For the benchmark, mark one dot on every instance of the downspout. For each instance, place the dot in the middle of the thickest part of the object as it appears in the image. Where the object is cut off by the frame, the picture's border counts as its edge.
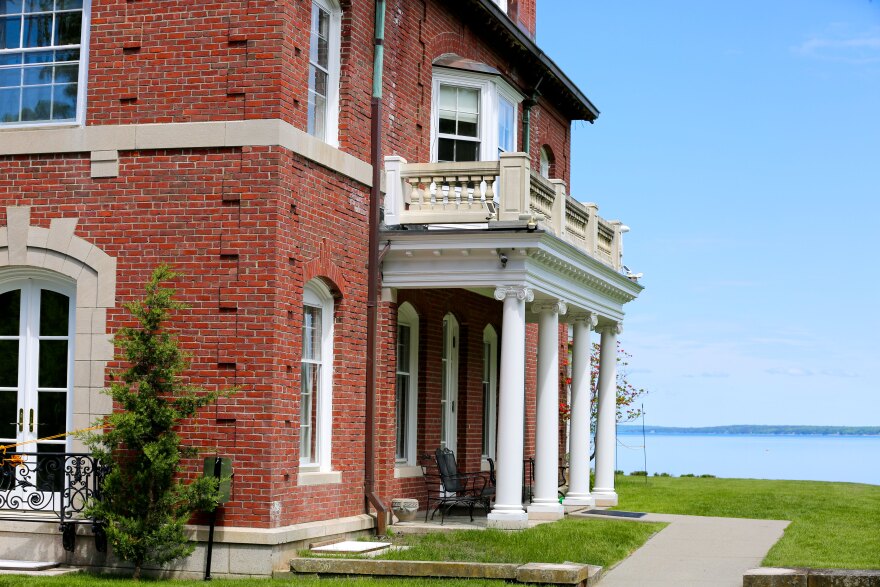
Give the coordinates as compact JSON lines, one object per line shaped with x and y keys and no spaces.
{"x":371,"y":498}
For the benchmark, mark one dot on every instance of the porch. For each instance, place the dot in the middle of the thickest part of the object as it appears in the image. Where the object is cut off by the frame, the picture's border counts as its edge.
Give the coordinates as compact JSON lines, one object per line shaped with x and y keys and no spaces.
{"x":550,"y":269}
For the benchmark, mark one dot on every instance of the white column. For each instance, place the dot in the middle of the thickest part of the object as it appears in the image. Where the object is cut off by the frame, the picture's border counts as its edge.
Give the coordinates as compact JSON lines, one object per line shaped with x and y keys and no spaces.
{"x":508,"y":512}
{"x":579,"y":439}
{"x":545,"y":503}
{"x":606,"y":432}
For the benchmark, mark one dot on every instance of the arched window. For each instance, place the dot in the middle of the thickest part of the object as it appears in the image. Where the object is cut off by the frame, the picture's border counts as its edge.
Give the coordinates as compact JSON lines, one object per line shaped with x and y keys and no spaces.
{"x":37,"y":328}
{"x":490,"y":390}
{"x":449,"y":384}
{"x":547,"y":162}
{"x":406,"y":393}
{"x":316,"y":374}
{"x":324,"y":66}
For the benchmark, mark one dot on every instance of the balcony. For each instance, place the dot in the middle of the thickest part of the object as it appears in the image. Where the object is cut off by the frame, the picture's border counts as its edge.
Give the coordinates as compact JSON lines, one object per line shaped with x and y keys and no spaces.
{"x":497,"y":194}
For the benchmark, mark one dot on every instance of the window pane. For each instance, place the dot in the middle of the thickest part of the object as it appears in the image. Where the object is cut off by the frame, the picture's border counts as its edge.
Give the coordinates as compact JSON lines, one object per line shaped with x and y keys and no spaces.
{"x":8,"y":363}
{"x":311,"y":383}
{"x":10,"y":33}
{"x":466,"y":150}
{"x":54,"y":313}
{"x":8,"y":58}
{"x":447,"y":122}
{"x":10,"y":6}
{"x":66,"y":74}
{"x":445,"y":150}
{"x":505,"y":125}
{"x":53,"y":364}
{"x":318,"y":81}
{"x":68,"y":28}
{"x":447,"y":98}
{"x":38,"y":30}
{"x":40,"y":57}
{"x":10,"y":100}
{"x":319,"y":49}
{"x":40,"y":75}
{"x":38,"y":5}
{"x":467,"y":125}
{"x":36,"y":103}
{"x":10,"y":313}
{"x":312,"y":333}
{"x":68,"y":4}
{"x":402,"y":409}
{"x":8,"y":412}
{"x":51,"y":413}
{"x":468,"y":101}
{"x":317,"y":115}
{"x":64,"y":101}
{"x":403,"y":348}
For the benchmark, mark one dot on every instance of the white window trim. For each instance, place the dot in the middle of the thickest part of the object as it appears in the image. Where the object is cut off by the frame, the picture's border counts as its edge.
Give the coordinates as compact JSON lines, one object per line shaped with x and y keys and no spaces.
{"x":452,"y":345}
{"x":30,"y":282}
{"x":334,"y":64}
{"x":407,"y":316}
{"x":317,"y":294}
{"x":82,"y":82}
{"x":490,"y":337}
{"x":490,"y":87}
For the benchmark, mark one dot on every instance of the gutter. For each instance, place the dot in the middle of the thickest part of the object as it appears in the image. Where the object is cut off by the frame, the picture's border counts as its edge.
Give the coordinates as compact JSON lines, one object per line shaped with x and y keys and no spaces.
{"x":370,"y":495}
{"x":590,"y":111}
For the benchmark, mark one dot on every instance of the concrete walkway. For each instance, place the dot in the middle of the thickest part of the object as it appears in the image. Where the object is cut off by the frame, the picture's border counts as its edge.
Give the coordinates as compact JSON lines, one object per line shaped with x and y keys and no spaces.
{"x":696,"y":551}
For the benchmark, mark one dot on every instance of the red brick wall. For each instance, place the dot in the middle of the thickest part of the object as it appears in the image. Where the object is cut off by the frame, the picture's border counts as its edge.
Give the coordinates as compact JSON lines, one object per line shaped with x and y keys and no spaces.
{"x":248,"y":227}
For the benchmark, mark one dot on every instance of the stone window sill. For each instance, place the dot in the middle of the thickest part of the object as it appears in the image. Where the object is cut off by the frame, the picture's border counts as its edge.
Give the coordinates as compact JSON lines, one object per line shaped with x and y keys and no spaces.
{"x":319,"y":478}
{"x":403,"y":471}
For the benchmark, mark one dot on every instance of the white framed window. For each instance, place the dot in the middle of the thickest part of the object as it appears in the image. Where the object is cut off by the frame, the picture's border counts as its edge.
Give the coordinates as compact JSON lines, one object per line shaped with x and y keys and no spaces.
{"x":316,"y":378}
{"x":43,"y":61}
{"x":473,"y":116}
{"x":37,"y":325}
{"x":490,"y":390}
{"x":324,"y":42}
{"x":449,"y":384}
{"x":406,"y":393}
{"x":546,"y":159}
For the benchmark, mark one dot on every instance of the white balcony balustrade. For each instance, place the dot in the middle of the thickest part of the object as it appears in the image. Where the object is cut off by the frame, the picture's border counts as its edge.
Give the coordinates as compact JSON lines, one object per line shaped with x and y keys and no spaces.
{"x":504,"y":192}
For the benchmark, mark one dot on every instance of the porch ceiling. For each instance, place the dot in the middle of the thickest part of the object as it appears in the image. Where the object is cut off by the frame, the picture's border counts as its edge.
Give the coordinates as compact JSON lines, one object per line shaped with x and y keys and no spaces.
{"x":472,"y":259}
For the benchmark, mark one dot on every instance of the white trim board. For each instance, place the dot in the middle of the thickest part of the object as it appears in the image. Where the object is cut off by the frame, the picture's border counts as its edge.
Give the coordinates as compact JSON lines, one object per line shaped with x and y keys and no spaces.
{"x":185,"y":135}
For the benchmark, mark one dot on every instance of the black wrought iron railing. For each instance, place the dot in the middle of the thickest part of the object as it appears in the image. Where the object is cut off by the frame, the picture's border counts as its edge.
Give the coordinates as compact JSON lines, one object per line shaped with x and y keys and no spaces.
{"x":47,"y":486}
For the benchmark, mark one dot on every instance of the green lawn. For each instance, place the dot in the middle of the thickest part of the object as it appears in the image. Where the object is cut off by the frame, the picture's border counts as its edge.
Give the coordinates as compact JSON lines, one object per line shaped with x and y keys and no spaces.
{"x":85,"y":580}
{"x":595,"y":542}
{"x":833,"y":525}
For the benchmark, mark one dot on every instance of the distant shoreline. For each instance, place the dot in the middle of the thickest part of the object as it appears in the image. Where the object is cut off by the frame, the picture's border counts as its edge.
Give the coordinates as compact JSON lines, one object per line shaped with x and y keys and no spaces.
{"x":750,"y":430}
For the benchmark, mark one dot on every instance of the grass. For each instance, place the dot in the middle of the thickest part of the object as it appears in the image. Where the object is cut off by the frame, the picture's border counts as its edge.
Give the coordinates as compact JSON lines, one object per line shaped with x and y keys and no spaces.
{"x":86,"y":580}
{"x":595,"y":542}
{"x":833,"y":525}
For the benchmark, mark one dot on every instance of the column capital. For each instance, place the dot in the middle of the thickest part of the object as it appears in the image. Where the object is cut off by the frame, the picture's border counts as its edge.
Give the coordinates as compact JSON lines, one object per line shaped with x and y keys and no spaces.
{"x":590,"y":319}
{"x":615,"y":328}
{"x":557,"y":306}
{"x":520,"y":292}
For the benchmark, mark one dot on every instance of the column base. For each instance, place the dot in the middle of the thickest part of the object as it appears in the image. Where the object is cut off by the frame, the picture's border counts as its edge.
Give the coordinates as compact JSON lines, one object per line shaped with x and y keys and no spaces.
{"x":509,"y":520}
{"x":546,"y":511}
{"x":579,"y":500}
{"x":605,"y":498}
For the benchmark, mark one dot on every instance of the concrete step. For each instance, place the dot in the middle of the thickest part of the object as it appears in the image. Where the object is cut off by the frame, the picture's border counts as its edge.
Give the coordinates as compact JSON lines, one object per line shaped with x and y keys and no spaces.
{"x":13,"y":565}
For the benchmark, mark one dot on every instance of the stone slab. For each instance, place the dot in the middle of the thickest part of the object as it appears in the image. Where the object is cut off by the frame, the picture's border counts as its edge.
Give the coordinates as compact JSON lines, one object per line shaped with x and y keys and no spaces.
{"x":776,"y":577}
{"x":347,"y":566}
{"x":556,"y":574}
{"x":14,"y":565}
{"x":352,"y":546}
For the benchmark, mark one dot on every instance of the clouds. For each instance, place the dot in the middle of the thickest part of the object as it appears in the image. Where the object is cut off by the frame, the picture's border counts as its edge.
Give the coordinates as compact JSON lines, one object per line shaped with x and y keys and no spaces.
{"x":860,"y":48}
{"x":801,"y":372}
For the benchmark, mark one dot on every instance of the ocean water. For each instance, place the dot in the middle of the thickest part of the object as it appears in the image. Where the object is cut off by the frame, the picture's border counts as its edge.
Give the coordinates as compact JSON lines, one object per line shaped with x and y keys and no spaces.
{"x":816,"y":458}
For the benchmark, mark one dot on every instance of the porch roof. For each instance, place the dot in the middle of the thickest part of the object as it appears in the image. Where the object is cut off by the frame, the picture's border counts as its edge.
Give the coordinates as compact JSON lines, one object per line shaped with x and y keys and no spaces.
{"x":473,"y":259}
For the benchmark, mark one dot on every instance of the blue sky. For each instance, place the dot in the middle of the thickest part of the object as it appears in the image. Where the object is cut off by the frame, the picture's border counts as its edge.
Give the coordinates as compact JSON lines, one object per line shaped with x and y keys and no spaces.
{"x":741,"y":143}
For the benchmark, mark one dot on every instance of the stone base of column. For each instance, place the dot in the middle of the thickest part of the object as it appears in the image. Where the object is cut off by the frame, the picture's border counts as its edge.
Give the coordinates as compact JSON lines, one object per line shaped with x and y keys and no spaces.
{"x":546,"y":511}
{"x":579,"y":500}
{"x":605,"y":498}
{"x":508,"y":520}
